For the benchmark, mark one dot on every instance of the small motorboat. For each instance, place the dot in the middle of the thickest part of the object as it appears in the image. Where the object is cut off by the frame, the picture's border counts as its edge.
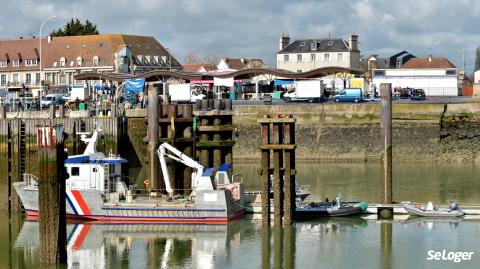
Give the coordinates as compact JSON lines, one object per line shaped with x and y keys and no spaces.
{"x":432,"y":211}
{"x":329,"y":209}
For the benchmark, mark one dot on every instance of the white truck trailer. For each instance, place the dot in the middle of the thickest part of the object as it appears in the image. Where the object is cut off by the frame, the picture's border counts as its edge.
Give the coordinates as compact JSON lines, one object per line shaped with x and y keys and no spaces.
{"x":78,"y":92}
{"x":306,"y":91}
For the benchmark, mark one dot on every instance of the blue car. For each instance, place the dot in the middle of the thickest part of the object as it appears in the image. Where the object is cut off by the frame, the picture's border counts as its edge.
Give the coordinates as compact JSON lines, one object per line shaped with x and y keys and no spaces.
{"x":349,"y":95}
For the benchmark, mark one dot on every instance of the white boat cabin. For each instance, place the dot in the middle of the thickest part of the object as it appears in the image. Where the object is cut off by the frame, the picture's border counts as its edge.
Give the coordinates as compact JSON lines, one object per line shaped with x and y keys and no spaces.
{"x":94,"y":171}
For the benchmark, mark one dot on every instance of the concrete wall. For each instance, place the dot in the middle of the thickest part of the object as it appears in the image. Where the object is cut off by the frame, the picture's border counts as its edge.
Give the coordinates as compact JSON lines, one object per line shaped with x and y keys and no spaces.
{"x":350,"y":132}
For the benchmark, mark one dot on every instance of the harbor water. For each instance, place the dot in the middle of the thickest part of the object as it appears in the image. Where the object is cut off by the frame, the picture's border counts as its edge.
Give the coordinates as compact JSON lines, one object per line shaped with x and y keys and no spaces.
{"x":352,"y":242}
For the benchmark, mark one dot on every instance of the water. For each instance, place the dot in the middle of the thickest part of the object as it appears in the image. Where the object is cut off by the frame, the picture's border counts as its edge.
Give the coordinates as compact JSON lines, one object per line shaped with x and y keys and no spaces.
{"x":326,"y":243}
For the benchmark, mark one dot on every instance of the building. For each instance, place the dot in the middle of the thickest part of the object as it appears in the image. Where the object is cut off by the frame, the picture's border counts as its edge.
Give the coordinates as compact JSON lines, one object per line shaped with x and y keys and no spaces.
{"x":239,"y":63}
{"x":437,"y":76}
{"x":63,"y":57}
{"x":307,"y":54}
{"x":199,"y":68}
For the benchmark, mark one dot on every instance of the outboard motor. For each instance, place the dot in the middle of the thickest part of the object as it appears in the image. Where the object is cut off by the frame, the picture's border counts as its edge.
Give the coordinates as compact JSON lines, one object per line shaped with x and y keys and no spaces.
{"x":454,"y":206}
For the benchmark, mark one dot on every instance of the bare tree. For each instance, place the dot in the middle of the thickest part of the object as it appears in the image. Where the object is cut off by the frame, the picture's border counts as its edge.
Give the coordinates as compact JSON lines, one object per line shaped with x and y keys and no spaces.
{"x":211,"y":58}
{"x":192,"y":58}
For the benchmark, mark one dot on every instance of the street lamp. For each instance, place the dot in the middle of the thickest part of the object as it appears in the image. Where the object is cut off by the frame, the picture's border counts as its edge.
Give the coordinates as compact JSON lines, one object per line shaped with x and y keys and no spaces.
{"x":40,"y":57}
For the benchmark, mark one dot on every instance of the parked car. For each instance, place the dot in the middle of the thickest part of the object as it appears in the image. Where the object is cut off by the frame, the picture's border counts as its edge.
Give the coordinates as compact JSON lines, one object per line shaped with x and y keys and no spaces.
{"x":349,"y":95}
{"x":417,"y":94}
{"x":52,"y":99}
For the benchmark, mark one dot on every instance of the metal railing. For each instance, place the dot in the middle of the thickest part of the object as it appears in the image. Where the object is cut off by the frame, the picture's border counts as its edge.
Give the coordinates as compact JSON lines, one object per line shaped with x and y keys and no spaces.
{"x":30,"y":179}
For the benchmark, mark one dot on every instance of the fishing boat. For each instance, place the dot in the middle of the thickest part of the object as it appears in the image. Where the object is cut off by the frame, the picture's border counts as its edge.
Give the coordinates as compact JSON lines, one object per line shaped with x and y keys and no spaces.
{"x":453,"y":211}
{"x":329,"y":209}
{"x":96,"y":190}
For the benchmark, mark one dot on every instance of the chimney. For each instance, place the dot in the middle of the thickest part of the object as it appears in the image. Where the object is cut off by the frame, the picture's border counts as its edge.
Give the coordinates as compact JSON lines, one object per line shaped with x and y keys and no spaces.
{"x":430,"y":58}
{"x":284,"y":41}
{"x":353,"y":42}
{"x":21,"y":37}
{"x":49,"y":39}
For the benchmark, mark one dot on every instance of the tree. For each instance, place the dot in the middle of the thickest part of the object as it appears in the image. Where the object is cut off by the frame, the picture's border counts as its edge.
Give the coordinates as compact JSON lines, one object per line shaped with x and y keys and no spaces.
{"x":209,"y":58}
{"x":76,"y":27}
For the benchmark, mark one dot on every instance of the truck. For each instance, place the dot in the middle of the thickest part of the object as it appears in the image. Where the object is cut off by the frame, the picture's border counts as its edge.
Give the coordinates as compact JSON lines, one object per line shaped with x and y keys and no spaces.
{"x":306,"y":91}
{"x":183,"y":93}
{"x":78,"y":92}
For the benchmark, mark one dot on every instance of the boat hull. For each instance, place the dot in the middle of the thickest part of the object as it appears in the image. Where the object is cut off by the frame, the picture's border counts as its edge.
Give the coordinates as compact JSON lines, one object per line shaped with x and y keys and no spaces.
{"x":413,"y":210}
{"x":211,"y":207}
{"x":316,"y":212}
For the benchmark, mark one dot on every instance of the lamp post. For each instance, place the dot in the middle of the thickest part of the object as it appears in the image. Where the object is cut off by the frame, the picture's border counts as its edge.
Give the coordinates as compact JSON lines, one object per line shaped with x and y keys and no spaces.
{"x":40,"y":58}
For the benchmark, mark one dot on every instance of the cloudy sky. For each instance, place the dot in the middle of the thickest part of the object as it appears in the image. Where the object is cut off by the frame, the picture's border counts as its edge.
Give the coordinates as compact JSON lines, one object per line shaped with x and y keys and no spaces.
{"x":251,"y":28}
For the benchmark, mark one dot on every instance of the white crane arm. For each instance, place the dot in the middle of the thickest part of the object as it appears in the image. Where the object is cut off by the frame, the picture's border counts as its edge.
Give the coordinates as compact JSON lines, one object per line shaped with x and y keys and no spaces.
{"x":179,"y":157}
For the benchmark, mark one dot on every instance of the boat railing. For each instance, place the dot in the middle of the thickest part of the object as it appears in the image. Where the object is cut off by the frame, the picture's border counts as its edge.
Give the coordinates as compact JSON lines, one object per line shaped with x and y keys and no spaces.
{"x":30,"y":179}
{"x":180,"y":196}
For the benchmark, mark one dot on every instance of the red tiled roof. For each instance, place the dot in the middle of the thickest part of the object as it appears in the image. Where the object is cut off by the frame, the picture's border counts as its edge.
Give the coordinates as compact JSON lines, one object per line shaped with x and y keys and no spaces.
{"x":197,"y":67}
{"x":428,"y":63}
{"x":19,"y":49}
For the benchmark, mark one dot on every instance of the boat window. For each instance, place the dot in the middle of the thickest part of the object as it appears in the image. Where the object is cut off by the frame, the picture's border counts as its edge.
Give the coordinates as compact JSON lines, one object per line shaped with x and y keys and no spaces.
{"x":75,"y":171}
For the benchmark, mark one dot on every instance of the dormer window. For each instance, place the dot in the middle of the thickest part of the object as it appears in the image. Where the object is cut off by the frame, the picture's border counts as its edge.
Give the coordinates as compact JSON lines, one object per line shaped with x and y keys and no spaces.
{"x":31,"y":62}
{"x":3,"y":63}
{"x":313,"y":46}
{"x":302,"y":44}
{"x":95,"y":60}
{"x":16,"y":63}
{"x":62,"y":62}
{"x":79,"y":61}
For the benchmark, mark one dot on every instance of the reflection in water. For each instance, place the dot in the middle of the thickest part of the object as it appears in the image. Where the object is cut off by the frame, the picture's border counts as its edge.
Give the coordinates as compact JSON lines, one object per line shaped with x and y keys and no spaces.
{"x":325,"y":243}
{"x":386,"y":244}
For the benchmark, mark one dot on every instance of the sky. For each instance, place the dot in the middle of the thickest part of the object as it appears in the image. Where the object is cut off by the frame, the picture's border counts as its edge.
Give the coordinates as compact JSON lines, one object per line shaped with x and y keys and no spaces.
{"x":251,"y":28}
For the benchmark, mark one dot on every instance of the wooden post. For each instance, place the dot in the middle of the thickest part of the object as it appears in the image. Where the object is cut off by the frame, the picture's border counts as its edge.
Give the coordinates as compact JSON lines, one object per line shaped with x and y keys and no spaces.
{"x":188,"y":150}
{"x":289,"y":177}
{"x":153,"y":135}
{"x":290,"y":245}
{"x":217,"y":137}
{"x":265,"y":175}
{"x":204,"y":152}
{"x":51,"y":196}
{"x":386,"y":146}
{"x":277,"y":245}
{"x":9,"y":164}
{"x":266,"y":247}
{"x":277,"y":175}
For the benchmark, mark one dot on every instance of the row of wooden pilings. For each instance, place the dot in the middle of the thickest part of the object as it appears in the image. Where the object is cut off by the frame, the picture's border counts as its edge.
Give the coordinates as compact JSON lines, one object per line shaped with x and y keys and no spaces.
{"x":203,"y":131}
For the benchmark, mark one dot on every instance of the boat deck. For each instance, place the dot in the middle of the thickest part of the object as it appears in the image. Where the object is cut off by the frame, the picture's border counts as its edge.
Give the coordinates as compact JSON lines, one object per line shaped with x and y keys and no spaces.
{"x":152,"y":202}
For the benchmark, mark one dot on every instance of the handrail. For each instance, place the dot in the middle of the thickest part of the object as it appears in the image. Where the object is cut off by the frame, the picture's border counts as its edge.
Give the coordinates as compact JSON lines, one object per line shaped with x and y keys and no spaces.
{"x":30,"y":179}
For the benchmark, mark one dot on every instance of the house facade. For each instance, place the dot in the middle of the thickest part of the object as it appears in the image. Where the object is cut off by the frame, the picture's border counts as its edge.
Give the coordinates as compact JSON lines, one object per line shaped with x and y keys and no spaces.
{"x":239,"y":63}
{"x":308,"y":54}
{"x":63,"y":57}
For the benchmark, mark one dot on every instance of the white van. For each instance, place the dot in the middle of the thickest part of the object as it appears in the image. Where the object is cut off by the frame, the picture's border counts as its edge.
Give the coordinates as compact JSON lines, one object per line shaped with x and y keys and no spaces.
{"x":52,"y":99}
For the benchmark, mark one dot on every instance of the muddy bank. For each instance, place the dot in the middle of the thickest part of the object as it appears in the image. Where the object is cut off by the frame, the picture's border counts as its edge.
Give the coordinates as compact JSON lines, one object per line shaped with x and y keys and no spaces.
{"x":350,"y":132}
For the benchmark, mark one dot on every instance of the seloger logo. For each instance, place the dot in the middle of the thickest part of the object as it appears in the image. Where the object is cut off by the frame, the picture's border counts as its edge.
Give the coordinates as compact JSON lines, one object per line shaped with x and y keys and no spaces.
{"x":456,"y":257}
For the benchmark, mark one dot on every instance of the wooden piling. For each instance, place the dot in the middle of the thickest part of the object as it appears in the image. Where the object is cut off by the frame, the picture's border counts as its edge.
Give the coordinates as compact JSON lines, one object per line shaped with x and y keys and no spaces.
{"x":266,"y":247}
{"x":277,"y":246}
{"x":153,"y":126}
{"x":386,"y":146}
{"x":277,"y":176}
{"x":282,"y":145}
{"x":188,"y":150}
{"x":204,"y":152}
{"x":51,"y":188}
{"x":265,"y":136}
{"x":9,"y":164}
{"x":289,"y":175}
